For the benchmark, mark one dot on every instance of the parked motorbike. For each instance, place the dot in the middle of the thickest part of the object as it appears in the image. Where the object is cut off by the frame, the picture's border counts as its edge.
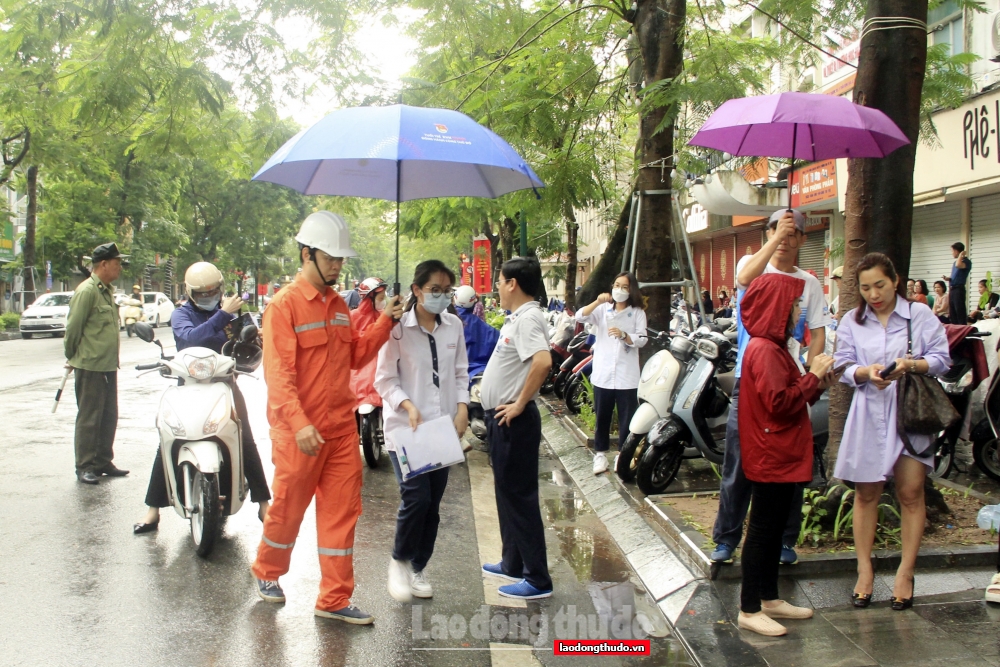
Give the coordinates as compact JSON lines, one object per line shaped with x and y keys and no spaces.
{"x":576,"y":388}
{"x":131,"y":314}
{"x":477,"y":417}
{"x":985,"y":448}
{"x":958,"y":385}
{"x":200,"y":435}
{"x":579,"y":349}
{"x":372,"y":434}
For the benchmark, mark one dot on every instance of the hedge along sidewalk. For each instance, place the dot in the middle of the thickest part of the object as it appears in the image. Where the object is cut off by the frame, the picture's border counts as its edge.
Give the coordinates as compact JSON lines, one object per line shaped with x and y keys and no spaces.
{"x":664,"y":572}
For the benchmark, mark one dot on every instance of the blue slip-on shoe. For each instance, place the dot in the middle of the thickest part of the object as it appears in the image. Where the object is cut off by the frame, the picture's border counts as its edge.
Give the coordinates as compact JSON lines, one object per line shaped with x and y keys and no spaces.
{"x":788,"y":555}
{"x":496,"y":569}
{"x":270,"y":591}
{"x":723,"y":553}
{"x":349,"y":614}
{"x":524,"y":591}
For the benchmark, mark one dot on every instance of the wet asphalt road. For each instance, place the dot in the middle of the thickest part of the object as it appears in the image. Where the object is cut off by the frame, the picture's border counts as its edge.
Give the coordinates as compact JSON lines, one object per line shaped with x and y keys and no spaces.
{"x":79,"y":588}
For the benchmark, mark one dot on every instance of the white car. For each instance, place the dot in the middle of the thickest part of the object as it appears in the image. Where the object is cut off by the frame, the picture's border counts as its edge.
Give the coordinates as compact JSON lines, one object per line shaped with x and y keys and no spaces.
{"x":156,"y":308}
{"x":46,"y":315}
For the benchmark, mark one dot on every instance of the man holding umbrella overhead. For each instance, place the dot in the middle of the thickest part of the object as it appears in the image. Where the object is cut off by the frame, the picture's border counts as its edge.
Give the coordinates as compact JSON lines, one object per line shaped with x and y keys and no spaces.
{"x":308,"y":344}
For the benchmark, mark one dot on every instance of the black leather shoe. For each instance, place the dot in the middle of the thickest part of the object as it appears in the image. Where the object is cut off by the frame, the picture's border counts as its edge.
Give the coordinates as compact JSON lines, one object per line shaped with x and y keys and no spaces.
{"x":87,"y":477}
{"x":111,"y":471}
{"x":861,"y":601}
{"x":902,"y":604}
{"x":140,"y":528}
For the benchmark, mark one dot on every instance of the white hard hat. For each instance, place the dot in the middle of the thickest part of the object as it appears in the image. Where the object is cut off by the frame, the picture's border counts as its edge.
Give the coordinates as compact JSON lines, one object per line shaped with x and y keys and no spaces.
{"x":465,"y":296}
{"x":203,"y":277}
{"x":326,"y":231}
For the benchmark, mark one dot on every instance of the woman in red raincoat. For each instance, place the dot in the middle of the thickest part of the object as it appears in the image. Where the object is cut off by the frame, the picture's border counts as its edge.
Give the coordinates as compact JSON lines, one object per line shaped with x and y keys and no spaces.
{"x":372,"y":293}
{"x":775,"y":441}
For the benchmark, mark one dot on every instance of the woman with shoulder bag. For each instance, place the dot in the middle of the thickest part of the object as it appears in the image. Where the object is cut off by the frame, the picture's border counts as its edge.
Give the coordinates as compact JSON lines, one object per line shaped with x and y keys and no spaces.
{"x":883,"y":339}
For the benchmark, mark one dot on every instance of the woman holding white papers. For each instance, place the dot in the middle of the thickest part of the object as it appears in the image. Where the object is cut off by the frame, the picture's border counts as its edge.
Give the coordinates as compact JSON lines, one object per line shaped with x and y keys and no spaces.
{"x":422,"y":375}
{"x":621,"y":331}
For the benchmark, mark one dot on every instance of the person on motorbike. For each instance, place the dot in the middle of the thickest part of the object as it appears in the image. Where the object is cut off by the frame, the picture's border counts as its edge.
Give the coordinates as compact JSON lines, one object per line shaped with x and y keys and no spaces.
{"x":372,"y":293}
{"x":480,"y":337}
{"x":201,"y":322}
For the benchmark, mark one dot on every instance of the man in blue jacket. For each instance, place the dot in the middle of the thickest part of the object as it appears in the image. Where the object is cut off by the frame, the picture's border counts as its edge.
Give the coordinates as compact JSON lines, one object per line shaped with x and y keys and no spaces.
{"x":201,"y":322}
{"x":480,"y":337}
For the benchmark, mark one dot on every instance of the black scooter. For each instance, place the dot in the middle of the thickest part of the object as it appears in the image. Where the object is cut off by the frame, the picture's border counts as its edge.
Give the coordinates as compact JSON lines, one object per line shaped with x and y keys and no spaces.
{"x":985,"y":445}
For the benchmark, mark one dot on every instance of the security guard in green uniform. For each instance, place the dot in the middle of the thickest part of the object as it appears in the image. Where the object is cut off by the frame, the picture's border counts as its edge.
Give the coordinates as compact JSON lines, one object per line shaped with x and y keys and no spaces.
{"x":91,"y":345}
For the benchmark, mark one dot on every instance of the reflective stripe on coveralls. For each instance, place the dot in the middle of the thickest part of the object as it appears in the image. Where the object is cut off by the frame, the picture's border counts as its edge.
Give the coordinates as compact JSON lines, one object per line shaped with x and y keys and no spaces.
{"x":276,"y":545}
{"x":335,"y":552}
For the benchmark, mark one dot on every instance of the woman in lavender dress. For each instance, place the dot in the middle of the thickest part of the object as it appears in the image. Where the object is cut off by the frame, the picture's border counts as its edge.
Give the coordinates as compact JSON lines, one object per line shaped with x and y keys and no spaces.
{"x":869,"y":339}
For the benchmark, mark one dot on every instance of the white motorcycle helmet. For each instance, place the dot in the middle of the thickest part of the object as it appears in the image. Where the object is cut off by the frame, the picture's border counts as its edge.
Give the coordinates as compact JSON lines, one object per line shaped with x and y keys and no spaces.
{"x":465,"y":296}
{"x":203,"y":277}
{"x":369,"y":285}
{"x":328,"y":232}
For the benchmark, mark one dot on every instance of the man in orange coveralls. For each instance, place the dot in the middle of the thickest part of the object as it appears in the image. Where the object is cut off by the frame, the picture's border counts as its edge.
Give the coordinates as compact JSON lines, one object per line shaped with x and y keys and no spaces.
{"x":309,"y":349}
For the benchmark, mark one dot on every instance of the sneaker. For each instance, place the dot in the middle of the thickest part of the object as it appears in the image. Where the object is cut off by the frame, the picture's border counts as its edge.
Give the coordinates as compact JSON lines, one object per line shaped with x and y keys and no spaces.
{"x":524,"y":591}
{"x":723,"y":553}
{"x":993,"y":590}
{"x":400,"y":581}
{"x":788,"y":555}
{"x":420,"y":587}
{"x":761,"y":623}
{"x":349,"y":614}
{"x":600,"y":463}
{"x":270,"y":591}
{"x":784,"y":610}
{"x":496,"y":569}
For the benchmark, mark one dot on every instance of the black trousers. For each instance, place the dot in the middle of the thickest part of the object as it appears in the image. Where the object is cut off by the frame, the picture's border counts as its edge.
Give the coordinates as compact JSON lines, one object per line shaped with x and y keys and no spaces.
{"x":96,"y":418}
{"x":605,"y":401}
{"x":514,"y":456}
{"x":769,"y":509}
{"x":419,"y":514}
{"x":958,"y":305}
{"x":253,"y":469}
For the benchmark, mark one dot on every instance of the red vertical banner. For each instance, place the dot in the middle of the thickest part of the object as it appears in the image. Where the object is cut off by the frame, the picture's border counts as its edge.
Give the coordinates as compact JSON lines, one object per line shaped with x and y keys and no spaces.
{"x":482,"y":269}
{"x":465,"y":270}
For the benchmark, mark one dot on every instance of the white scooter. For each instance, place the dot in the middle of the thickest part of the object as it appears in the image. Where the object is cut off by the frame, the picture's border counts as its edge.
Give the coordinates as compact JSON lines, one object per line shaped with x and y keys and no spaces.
{"x":200,"y":435}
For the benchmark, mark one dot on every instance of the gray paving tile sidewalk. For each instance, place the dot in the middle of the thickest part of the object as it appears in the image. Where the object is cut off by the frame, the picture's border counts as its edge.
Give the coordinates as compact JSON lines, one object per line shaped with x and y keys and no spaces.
{"x":950,"y":622}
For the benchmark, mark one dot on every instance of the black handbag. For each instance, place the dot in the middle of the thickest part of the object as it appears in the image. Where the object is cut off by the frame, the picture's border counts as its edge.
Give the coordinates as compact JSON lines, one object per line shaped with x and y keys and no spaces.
{"x":923,"y":407}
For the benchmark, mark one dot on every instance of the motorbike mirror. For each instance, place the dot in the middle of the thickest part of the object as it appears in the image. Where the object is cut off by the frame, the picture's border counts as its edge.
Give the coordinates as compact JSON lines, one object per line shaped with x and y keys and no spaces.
{"x":248,"y":334}
{"x":144,"y":332}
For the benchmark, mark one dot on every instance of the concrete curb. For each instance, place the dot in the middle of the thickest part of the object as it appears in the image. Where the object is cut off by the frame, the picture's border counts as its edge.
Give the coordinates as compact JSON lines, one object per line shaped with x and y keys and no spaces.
{"x":10,"y":335}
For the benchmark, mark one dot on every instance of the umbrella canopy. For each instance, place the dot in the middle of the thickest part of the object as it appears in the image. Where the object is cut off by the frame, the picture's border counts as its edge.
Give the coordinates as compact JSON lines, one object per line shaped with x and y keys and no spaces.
{"x":398,"y":153}
{"x":802,"y":126}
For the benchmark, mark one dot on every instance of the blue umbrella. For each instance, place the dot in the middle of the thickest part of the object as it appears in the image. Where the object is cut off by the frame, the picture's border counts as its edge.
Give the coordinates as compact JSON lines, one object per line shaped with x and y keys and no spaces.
{"x":399,"y":153}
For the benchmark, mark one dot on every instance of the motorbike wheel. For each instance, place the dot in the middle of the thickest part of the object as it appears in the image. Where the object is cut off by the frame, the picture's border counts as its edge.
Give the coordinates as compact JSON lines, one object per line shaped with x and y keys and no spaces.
{"x":549,"y":385}
{"x":371,"y":438}
{"x":628,"y":456}
{"x":986,"y":453}
{"x":659,"y":466}
{"x":206,"y":519}
{"x":559,"y":384}
{"x":576,"y":395}
{"x":943,"y":459}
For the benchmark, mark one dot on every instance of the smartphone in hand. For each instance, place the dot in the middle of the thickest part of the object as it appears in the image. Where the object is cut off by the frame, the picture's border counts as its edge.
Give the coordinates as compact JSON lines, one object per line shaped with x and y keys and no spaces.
{"x":885,"y":372}
{"x":837,"y":372}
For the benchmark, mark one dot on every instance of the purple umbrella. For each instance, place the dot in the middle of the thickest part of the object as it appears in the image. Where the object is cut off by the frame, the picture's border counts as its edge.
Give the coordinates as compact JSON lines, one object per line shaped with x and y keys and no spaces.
{"x":804,"y":126}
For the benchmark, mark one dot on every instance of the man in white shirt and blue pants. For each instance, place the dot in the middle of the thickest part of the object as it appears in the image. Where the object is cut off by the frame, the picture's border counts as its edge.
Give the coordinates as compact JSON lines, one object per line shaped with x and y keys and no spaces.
{"x":516,"y":370}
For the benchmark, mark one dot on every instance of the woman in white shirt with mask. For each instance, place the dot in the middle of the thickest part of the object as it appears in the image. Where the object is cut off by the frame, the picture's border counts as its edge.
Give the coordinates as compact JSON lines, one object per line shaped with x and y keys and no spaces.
{"x":422,"y":374}
{"x":620,"y":331}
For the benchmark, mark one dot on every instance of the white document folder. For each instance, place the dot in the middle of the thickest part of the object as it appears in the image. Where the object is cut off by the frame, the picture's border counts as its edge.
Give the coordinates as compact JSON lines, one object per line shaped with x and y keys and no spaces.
{"x":434,"y":445}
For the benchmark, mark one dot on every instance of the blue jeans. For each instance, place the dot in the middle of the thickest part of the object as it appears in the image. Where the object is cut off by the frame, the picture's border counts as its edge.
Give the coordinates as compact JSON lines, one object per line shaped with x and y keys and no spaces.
{"x":418,"y":516}
{"x":736,"y":489}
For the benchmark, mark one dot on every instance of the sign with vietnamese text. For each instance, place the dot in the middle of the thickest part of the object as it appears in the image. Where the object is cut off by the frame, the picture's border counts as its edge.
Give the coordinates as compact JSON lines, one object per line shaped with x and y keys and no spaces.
{"x":695,"y":218}
{"x":814,"y":184}
{"x":482,"y":266}
{"x":6,"y":240}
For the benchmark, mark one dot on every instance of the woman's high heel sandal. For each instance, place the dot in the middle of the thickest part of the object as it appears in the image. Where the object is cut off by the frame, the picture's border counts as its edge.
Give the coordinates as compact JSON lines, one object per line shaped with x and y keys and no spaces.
{"x":902,"y":604}
{"x":861,"y":601}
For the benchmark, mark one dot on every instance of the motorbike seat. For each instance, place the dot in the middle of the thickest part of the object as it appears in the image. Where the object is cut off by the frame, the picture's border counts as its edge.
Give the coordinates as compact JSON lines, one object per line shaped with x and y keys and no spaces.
{"x":727,"y":381}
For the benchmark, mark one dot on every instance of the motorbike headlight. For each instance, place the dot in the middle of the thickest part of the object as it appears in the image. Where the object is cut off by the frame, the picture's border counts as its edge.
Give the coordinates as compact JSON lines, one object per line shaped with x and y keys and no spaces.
{"x":200,"y":368}
{"x":172,"y":421}
{"x":215,"y":417}
{"x":708,"y":349}
{"x":651,"y":368}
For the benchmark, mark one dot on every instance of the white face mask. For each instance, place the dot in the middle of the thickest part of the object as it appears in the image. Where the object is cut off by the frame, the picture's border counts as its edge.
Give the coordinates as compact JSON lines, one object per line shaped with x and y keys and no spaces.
{"x":620,"y":295}
{"x":380,"y":305}
{"x":436,"y":303}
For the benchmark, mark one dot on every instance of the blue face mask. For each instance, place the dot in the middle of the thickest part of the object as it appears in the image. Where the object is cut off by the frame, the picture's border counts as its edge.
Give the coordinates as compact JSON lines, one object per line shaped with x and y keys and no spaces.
{"x":436,"y":303}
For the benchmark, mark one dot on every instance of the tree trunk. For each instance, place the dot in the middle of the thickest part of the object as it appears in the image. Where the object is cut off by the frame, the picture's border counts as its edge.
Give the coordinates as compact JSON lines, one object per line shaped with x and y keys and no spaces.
{"x":610,"y":263}
{"x":879,"y":212}
{"x":29,"y":229}
{"x":659,"y":28}
{"x":571,"y":258}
